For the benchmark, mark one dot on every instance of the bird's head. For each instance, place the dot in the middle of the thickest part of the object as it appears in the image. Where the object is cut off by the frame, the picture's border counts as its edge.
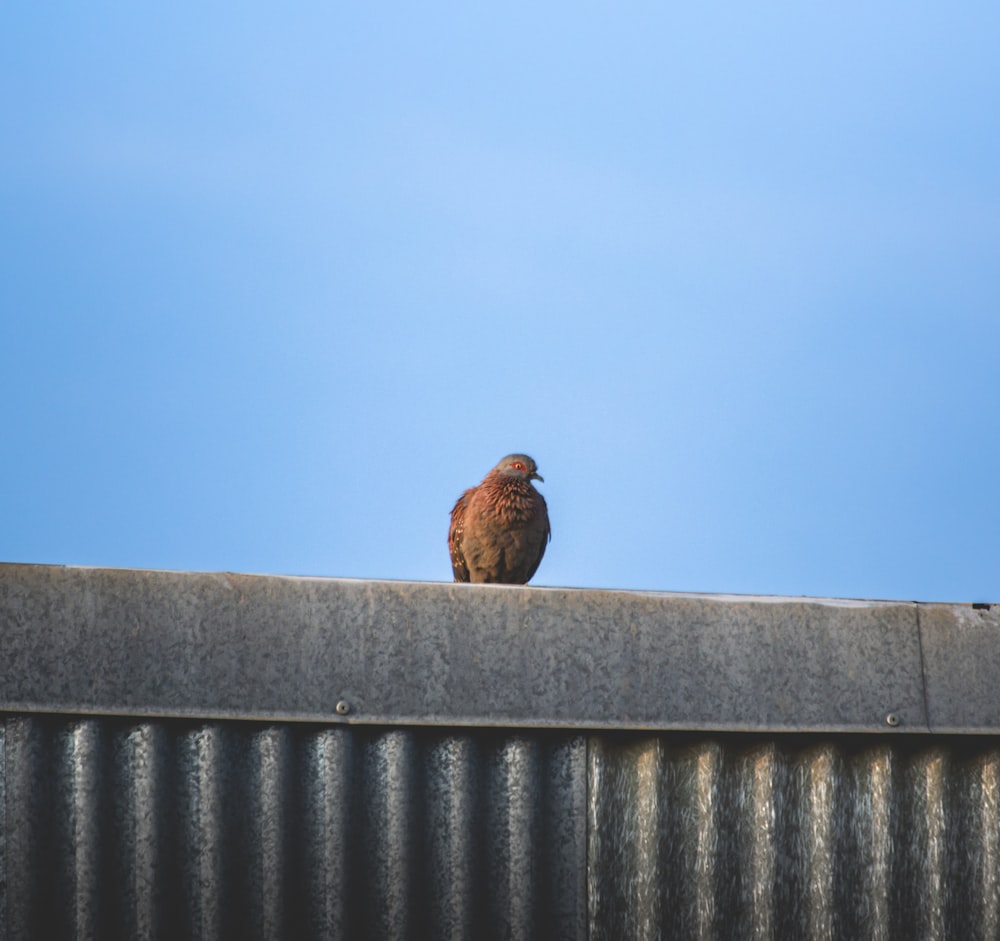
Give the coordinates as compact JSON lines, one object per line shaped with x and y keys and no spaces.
{"x":518,"y":465}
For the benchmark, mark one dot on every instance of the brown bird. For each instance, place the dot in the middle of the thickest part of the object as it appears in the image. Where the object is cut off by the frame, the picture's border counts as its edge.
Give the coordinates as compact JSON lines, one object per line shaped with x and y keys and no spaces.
{"x":499,"y":529}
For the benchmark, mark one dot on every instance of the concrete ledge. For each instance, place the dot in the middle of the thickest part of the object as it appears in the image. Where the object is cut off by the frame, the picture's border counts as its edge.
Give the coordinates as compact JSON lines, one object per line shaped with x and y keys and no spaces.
{"x":123,"y":642}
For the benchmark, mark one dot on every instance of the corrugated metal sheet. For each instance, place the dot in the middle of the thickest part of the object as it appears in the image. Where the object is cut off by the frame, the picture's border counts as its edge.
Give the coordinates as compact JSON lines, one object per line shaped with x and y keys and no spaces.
{"x":814,"y":839}
{"x":171,"y":829}
{"x":177,"y":829}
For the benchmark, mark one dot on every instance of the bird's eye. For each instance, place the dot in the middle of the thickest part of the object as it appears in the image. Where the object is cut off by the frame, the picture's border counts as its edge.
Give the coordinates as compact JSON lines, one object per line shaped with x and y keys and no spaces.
{"x":517,"y":465}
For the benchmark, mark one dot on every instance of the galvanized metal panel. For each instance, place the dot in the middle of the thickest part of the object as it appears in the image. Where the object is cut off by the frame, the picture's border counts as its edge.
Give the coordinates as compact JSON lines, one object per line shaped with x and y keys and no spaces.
{"x":171,"y":829}
{"x":161,"y":644}
{"x":776,"y":838}
{"x":961,"y":650}
{"x":117,"y":828}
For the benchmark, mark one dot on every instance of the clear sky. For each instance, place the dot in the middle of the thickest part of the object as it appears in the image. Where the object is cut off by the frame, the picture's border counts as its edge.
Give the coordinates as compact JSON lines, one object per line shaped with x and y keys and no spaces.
{"x":277,"y":282}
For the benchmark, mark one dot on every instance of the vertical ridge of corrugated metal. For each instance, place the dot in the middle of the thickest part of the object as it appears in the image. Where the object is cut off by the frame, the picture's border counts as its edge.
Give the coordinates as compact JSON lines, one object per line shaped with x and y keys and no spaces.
{"x":172,"y":829}
{"x":825,"y":840}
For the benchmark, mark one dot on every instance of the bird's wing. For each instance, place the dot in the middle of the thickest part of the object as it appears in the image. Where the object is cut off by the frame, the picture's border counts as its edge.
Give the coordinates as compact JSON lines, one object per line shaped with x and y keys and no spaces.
{"x":546,"y":538}
{"x":455,"y":533}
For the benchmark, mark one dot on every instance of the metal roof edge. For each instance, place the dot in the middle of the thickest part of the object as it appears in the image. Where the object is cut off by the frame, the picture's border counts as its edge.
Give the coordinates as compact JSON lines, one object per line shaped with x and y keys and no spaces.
{"x":309,"y":648}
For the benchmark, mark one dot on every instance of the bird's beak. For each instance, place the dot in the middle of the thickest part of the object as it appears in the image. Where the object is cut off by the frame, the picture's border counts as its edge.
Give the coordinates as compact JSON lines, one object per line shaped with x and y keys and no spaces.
{"x":536,"y":476}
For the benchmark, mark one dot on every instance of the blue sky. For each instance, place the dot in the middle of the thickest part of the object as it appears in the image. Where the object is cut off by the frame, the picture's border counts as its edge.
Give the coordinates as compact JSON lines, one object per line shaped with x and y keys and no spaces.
{"x":276,"y":285}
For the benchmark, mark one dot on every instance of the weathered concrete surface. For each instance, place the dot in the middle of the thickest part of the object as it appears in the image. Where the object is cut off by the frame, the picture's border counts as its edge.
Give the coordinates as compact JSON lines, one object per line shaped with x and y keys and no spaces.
{"x":111,"y":641}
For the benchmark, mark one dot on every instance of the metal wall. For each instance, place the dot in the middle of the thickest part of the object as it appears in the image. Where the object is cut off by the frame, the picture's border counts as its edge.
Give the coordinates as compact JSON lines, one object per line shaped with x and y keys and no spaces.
{"x":197,"y":755}
{"x":117,"y":828}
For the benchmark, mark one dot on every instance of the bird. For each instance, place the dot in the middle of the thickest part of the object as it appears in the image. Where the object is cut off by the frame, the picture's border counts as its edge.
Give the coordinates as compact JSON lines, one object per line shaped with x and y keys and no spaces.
{"x":499,"y":529}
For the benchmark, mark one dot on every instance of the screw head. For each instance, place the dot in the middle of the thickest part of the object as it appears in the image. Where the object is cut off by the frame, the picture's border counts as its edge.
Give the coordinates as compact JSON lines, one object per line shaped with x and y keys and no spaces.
{"x":892,"y":719}
{"x":343,"y":707}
